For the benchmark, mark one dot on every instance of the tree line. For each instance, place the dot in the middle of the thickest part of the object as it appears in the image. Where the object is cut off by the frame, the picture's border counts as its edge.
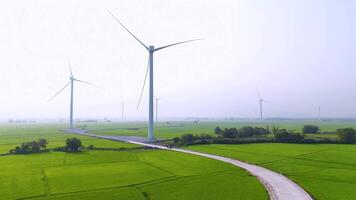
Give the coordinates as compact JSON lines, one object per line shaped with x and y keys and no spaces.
{"x":249,"y":134}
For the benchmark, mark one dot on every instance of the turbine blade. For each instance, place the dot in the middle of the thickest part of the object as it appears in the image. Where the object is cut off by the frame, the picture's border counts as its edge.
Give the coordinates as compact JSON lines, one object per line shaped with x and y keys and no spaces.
{"x":84,"y":82}
{"x":127,"y":30}
{"x":144,"y":83}
{"x":59,"y":91}
{"x":159,"y":48}
{"x":70,"y":69}
{"x":258,"y":93}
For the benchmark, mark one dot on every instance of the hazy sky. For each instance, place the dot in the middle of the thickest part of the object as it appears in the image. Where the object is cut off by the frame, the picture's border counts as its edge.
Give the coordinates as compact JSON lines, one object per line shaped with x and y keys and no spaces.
{"x":299,"y":53}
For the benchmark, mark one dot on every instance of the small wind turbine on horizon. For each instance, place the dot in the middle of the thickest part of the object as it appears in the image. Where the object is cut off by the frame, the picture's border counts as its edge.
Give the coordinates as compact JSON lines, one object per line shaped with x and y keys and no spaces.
{"x":319,"y":114}
{"x":71,"y":83}
{"x":261,"y":101}
{"x":151,"y":49}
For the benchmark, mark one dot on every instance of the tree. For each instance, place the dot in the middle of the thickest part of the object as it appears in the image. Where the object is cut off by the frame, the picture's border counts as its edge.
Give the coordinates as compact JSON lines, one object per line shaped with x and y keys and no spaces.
{"x":283,"y":135}
{"x":310,"y":129}
{"x":73,"y":145}
{"x":229,"y":133}
{"x":187,"y":139}
{"x":42,"y":142}
{"x":30,"y":147}
{"x":275,"y":129}
{"x":346,"y":135}
{"x":34,"y":147}
{"x":261,"y":131}
{"x":246,"y":131}
{"x":218,"y":131}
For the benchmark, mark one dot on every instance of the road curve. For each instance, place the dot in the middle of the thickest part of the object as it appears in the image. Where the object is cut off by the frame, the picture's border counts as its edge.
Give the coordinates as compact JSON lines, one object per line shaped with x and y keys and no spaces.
{"x":278,"y":186}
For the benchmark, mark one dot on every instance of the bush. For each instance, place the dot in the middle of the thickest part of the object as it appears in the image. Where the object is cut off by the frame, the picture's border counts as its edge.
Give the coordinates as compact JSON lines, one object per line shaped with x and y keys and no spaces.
{"x":310,"y":129}
{"x":346,"y":135}
{"x":73,"y":145}
{"x":188,"y":139}
{"x":283,"y":135}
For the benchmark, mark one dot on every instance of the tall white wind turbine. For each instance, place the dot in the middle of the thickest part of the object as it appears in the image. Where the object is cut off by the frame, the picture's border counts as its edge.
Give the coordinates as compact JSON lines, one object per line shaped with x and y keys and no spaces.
{"x":71,"y":82}
{"x":151,"y":49}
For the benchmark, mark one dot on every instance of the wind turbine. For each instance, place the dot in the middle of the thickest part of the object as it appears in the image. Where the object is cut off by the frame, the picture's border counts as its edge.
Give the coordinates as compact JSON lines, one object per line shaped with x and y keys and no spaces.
{"x":261,"y":106}
{"x":151,"y":49}
{"x":319,"y":116}
{"x":71,"y":82}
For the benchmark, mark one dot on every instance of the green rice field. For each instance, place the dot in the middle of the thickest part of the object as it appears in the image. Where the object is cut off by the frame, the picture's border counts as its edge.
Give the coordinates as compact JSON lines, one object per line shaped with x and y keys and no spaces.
{"x":325,"y":171}
{"x":112,"y":175}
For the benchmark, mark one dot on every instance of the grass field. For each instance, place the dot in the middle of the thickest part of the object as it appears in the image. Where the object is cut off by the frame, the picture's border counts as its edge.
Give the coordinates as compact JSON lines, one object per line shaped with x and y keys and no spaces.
{"x":325,"y":171}
{"x":131,"y":174}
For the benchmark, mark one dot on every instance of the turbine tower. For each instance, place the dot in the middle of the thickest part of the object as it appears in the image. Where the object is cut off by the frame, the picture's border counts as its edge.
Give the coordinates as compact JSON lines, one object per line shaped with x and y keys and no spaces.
{"x":150,"y":49}
{"x":122,"y":110}
{"x":261,"y":110}
{"x":71,"y":82}
{"x":157,"y":99}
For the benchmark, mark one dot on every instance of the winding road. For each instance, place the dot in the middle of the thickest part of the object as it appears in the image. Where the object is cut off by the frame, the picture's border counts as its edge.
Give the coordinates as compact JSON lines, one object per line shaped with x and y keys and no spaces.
{"x":278,"y":186}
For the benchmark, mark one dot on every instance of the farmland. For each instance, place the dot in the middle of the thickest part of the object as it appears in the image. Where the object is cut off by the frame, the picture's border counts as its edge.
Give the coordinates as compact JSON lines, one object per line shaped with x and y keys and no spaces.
{"x":129,"y":174}
{"x":325,"y":171}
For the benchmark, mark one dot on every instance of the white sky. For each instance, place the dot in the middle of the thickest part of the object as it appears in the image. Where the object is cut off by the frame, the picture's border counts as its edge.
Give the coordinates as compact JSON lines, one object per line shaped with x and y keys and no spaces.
{"x":299,"y":53}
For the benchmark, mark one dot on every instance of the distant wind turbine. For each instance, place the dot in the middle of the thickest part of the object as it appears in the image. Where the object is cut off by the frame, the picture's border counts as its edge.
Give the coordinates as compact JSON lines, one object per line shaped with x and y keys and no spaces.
{"x":261,"y":100}
{"x":151,"y":49}
{"x":71,"y":82}
{"x":319,"y":116}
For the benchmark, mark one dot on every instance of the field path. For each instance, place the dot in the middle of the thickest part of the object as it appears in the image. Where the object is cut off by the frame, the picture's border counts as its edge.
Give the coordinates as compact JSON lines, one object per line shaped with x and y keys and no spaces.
{"x":278,"y":186}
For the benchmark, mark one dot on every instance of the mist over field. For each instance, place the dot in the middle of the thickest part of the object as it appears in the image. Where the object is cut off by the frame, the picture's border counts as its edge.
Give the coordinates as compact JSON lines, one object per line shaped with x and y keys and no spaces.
{"x":299,"y":55}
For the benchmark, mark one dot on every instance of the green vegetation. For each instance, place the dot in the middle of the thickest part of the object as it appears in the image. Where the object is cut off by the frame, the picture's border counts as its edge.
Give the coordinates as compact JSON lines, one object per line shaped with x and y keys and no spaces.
{"x":165,"y":130}
{"x":115,"y":170}
{"x":283,"y":135}
{"x":310,"y":129}
{"x":30,"y":147}
{"x":73,"y":145}
{"x":326,"y":171}
{"x":108,"y":174}
{"x":346,"y":135}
